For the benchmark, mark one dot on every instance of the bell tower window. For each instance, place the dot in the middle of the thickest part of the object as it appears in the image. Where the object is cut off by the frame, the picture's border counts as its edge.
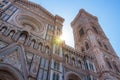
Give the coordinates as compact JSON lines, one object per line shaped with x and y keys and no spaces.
{"x":106,"y":47}
{"x":86,"y":45}
{"x":109,"y":64}
{"x":116,"y":68}
{"x":95,"y":29}
{"x":82,"y":49}
{"x":99,"y":43}
{"x":81,"y":32}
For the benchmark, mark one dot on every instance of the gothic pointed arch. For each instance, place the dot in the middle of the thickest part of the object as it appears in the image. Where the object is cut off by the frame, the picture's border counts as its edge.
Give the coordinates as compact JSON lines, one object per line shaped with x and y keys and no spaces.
{"x":72,"y":76}
{"x":99,"y":42}
{"x":116,"y":68}
{"x":3,"y":29}
{"x":5,"y":52}
{"x":11,"y":32}
{"x":81,"y":32}
{"x":23,"y":36}
{"x":82,"y":49}
{"x":108,"y":62}
{"x":86,"y":45}
{"x":33,"y":42}
{"x":40,"y":45}
{"x":95,"y":29}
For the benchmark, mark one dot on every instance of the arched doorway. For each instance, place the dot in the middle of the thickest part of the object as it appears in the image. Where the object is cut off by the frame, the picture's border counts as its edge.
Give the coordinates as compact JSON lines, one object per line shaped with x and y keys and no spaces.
{"x":7,"y":72}
{"x":5,"y":75}
{"x":72,"y":76}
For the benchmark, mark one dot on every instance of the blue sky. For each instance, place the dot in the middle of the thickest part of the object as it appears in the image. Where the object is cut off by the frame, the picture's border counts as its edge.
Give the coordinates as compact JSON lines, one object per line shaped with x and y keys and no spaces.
{"x":107,"y":11}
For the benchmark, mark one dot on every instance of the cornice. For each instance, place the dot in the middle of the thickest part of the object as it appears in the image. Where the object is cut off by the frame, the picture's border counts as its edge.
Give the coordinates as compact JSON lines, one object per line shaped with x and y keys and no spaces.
{"x":73,"y":50}
{"x":59,"y":18}
{"x":36,"y":6}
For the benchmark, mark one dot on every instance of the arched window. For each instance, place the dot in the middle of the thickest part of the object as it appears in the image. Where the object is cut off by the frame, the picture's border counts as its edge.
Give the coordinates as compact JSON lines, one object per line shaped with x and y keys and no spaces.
{"x":33,"y":43}
{"x":109,"y":65}
{"x":99,"y":43}
{"x":57,"y":49}
{"x":66,"y":58}
{"x":40,"y":46}
{"x":23,"y":37}
{"x":116,"y":67}
{"x":73,"y":61}
{"x":43,"y":48}
{"x":81,"y":32}
{"x":82,"y":49}
{"x":47,"y":50}
{"x":91,"y":66}
{"x":72,"y":76}
{"x":86,"y":45}
{"x":105,"y":46}
{"x":79,"y":64}
{"x":95,"y":29}
{"x":3,"y":29}
{"x":11,"y":33}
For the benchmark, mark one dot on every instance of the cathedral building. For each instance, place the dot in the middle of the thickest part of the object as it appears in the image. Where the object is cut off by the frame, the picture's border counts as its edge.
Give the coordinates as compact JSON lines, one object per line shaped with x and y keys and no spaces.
{"x":31,"y":48}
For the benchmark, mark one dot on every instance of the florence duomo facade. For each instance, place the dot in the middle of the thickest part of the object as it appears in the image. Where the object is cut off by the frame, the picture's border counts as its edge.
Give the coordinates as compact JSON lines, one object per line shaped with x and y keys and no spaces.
{"x":30,"y":47}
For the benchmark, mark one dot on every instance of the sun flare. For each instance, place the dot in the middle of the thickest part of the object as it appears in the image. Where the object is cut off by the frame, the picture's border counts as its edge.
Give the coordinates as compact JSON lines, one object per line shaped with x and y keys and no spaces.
{"x":62,"y":37}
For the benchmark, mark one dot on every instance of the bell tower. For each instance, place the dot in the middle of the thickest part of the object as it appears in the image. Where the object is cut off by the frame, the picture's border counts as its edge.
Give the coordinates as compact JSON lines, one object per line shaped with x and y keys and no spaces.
{"x":89,"y":36}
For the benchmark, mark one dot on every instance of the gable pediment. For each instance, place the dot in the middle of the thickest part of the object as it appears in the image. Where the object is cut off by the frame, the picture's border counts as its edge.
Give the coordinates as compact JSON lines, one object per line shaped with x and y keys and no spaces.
{"x":35,"y":8}
{"x":14,"y":55}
